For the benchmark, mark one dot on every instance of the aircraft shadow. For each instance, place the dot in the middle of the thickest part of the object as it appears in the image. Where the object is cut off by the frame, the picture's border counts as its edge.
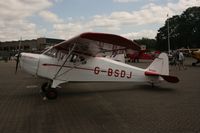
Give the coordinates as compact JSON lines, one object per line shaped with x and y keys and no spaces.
{"x":73,"y":90}
{"x":134,"y":88}
{"x":196,"y":66}
{"x":155,"y":88}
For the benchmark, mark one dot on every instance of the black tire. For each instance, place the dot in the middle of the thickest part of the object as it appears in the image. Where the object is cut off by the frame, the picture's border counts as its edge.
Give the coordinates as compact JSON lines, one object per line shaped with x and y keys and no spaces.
{"x":44,"y":87}
{"x":193,"y":64}
{"x":51,"y":94}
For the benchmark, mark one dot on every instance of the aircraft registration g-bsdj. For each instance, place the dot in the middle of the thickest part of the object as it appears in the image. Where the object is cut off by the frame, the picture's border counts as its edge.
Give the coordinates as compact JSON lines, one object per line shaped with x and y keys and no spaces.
{"x":82,"y":58}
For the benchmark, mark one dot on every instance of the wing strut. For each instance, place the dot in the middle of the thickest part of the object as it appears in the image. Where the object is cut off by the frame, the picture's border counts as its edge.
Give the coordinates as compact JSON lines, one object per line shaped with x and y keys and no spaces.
{"x":65,"y":61}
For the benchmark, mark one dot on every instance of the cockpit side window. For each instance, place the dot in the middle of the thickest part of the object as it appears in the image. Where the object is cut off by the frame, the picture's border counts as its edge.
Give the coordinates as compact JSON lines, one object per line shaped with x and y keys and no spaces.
{"x":62,"y":55}
{"x":52,"y":53}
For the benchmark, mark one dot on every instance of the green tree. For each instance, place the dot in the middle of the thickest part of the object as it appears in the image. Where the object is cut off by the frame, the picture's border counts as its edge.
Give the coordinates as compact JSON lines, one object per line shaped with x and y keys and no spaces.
{"x":150,"y":43}
{"x":184,"y":30}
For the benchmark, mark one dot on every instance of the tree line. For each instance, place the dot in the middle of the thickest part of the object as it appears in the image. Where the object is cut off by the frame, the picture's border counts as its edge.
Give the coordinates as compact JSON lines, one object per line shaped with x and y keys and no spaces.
{"x":184,"y":31}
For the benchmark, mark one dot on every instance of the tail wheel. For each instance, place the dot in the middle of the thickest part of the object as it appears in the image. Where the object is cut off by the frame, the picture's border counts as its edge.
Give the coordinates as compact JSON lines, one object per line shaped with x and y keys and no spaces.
{"x":51,"y":93}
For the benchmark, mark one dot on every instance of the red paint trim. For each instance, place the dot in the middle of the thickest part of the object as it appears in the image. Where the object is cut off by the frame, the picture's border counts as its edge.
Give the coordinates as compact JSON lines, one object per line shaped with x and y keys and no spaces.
{"x":149,"y":73}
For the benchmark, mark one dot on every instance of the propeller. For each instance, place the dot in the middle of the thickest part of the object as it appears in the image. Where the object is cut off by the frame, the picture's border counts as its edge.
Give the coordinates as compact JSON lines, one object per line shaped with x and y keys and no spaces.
{"x":18,"y":56}
{"x":17,"y":62}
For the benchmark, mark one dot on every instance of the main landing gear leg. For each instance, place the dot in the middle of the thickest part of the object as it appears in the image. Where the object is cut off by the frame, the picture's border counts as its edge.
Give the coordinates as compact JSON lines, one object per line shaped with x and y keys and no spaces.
{"x":152,"y":85}
{"x":49,"y":92}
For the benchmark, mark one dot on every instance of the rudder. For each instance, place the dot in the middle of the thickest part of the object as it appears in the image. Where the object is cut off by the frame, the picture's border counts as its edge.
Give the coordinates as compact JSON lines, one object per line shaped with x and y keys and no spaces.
{"x":160,"y":65}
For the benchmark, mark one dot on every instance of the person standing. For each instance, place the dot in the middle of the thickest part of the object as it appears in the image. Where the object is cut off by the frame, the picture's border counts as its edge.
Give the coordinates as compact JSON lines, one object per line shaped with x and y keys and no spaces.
{"x":181,"y":59}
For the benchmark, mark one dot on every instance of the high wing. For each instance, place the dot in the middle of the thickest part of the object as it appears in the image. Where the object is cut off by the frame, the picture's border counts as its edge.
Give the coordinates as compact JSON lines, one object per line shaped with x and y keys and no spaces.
{"x":93,"y":44}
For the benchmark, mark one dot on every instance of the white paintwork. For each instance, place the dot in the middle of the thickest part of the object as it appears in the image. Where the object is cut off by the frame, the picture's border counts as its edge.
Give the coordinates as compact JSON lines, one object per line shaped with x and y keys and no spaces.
{"x":93,"y":69}
{"x":29,"y":62}
{"x":160,"y":65}
{"x":118,"y":57}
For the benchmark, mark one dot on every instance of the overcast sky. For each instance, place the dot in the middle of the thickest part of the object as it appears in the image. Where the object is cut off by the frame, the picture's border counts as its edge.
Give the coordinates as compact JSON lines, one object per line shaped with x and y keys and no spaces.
{"x":63,"y":19}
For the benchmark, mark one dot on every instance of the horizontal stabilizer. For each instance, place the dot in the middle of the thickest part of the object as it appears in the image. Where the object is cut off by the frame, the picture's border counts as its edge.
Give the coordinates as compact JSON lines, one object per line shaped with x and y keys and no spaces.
{"x":160,"y":68}
{"x":171,"y":79}
{"x":168,"y":78}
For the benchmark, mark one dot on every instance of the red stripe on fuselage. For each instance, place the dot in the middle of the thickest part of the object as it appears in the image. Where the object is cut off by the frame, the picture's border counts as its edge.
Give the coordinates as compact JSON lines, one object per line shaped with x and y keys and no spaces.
{"x":150,"y":73}
{"x":68,"y":67}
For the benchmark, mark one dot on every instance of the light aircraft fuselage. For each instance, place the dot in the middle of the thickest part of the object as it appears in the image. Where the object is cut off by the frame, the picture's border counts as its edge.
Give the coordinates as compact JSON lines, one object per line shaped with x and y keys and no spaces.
{"x":84,"y":59}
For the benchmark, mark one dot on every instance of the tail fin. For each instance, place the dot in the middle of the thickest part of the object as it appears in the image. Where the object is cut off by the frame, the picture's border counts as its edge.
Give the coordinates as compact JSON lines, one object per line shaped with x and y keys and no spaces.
{"x":160,"y":65}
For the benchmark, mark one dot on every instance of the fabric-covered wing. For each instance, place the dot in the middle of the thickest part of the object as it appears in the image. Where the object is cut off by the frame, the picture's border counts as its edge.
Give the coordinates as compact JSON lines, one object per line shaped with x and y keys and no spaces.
{"x":94,"y":43}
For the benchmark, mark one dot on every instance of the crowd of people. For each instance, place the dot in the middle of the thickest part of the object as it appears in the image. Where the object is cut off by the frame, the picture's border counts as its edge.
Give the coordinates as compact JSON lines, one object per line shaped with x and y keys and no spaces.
{"x":177,"y":59}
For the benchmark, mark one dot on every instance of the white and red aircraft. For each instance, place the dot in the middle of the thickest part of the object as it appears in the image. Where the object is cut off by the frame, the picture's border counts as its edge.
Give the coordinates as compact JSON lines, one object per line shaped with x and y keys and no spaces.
{"x":82,"y":58}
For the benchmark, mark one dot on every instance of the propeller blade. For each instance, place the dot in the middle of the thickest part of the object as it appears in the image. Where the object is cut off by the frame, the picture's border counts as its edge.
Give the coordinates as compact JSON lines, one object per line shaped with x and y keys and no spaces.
{"x":17,"y":62}
{"x":18,"y":55}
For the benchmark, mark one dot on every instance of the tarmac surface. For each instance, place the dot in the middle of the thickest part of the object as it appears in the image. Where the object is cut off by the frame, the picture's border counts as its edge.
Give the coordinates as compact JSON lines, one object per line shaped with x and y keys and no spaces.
{"x":100,"y":107}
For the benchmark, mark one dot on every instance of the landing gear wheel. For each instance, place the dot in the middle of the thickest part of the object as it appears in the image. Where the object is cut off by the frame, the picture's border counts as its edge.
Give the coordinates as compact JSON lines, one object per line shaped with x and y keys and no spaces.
{"x":51,"y":93}
{"x":193,"y":64}
{"x":44,"y":87}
